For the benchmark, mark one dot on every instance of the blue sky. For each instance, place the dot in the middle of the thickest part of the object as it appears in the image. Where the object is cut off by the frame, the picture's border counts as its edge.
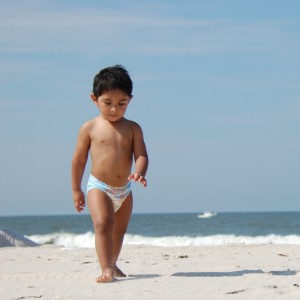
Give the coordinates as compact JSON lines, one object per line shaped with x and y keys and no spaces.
{"x":216,"y":91}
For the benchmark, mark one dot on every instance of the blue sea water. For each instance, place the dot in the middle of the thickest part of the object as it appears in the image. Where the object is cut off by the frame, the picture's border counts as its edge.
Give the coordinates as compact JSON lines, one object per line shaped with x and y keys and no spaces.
{"x":171,"y":230}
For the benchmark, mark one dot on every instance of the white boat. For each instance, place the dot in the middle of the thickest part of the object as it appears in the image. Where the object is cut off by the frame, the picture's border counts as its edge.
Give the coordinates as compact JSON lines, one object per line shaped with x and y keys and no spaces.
{"x":207,"y":214}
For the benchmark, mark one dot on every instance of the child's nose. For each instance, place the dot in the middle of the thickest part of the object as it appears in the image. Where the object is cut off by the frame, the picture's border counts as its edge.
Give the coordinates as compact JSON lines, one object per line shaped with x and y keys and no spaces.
{"x":113,"y":109}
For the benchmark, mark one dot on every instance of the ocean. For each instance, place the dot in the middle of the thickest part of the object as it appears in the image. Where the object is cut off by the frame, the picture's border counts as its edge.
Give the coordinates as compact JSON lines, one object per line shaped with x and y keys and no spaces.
{"x":167,"y":230}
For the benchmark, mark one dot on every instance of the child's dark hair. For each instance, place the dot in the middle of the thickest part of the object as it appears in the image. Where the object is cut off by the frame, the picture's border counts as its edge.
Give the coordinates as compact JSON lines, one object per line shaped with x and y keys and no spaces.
{"x":115,"y":77}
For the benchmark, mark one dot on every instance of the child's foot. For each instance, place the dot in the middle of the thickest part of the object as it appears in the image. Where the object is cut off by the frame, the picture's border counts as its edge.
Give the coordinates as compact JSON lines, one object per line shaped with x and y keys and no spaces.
{"x":104,"y":278}
{"x":118,"y":272}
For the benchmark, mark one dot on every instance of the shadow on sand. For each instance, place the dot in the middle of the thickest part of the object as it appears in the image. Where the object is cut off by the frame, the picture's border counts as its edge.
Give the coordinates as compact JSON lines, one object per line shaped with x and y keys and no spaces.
{"x":234,"y":273}
{"x":142,"y":276}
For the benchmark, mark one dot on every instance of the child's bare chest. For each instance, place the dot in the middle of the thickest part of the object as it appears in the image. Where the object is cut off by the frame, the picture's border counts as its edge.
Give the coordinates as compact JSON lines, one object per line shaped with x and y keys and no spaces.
{"x":112,"y":137}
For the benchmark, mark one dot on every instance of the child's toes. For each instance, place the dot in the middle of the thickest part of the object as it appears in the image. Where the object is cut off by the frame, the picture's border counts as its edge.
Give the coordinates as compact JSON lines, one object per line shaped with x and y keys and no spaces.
{"x":105,"y":278}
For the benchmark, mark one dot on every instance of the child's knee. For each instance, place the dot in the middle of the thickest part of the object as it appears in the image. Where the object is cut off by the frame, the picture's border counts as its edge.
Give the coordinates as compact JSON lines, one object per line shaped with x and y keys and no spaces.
{"x":104,"y":225}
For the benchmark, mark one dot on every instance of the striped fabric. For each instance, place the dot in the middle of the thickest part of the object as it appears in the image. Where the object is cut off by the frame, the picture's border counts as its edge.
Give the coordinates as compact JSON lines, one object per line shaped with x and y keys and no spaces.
{"x":13,"y":239}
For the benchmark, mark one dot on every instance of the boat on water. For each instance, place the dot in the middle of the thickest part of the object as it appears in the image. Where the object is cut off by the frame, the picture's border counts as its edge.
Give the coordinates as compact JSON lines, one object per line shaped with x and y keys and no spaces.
{"x":207,"y":214}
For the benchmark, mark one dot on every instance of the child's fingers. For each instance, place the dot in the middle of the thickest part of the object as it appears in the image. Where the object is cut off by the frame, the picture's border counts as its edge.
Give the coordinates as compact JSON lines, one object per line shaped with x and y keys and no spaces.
{"x":143,"y":181}
{"x":138,"y":177}
{"x":130,"y":177}
{"x":79,"y":205}
{"x":134,"y":176}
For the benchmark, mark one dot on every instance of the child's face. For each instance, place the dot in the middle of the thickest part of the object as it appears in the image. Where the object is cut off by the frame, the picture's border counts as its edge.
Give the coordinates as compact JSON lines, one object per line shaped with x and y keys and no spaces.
{"x":112,"y":104}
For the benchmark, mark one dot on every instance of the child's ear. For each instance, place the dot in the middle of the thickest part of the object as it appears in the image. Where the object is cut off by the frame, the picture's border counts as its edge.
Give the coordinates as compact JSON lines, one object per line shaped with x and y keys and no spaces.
{"x":94,"y":99}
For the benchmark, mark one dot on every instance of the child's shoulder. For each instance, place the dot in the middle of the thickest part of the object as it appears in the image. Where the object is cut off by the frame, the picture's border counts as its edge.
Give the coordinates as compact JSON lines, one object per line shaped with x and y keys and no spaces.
{"x":134,"y":125}
{"x":88,"y":126}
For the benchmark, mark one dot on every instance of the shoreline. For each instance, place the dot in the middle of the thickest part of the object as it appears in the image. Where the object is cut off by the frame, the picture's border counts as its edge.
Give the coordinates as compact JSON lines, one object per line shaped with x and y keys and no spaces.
{"x":204,"y":272}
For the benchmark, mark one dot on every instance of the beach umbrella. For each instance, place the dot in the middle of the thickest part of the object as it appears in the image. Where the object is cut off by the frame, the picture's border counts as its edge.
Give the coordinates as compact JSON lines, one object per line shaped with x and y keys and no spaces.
{"x":12,"y":239}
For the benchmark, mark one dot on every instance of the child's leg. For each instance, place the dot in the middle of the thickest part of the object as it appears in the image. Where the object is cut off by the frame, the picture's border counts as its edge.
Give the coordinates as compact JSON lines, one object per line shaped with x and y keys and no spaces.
{"x":122,"y":217}
{"x":102,"y":214}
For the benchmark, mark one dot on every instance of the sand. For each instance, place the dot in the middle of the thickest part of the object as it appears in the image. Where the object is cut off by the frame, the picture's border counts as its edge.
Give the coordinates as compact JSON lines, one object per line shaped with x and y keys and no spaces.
{"x":210,"y":272}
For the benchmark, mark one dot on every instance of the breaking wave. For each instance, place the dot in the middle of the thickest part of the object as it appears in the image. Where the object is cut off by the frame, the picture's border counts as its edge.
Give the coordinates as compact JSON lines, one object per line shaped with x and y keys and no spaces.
{"x":86,"y":240}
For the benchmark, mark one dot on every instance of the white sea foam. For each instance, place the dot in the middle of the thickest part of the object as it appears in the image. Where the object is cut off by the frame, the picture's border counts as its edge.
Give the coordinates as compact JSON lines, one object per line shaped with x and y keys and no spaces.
{"x":174,"y":241}
{"x":86,"y":240}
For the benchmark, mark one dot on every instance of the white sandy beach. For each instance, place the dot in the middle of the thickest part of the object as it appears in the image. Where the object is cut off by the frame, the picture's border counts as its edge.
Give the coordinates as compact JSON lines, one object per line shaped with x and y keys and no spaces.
{"x":212,"y":272}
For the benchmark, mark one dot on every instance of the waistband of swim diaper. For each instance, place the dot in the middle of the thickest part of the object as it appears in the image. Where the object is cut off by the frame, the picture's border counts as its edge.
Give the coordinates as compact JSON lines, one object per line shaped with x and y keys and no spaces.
{"x":95,"y":180}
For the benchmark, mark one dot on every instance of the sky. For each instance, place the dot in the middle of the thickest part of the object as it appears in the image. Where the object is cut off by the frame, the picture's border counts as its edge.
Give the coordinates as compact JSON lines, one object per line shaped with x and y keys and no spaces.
{"x":216,"y":91}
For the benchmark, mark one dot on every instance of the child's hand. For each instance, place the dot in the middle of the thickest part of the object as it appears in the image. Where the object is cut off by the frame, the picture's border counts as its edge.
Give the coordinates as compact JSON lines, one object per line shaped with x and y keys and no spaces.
{"x":79,"y":201}
{"x":138,"y":177}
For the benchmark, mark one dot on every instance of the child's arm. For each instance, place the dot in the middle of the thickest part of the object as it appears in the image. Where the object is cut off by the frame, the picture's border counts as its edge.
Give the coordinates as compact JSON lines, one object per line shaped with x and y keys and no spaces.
{"x":140,"y":157}
{"x":78,"y":165}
